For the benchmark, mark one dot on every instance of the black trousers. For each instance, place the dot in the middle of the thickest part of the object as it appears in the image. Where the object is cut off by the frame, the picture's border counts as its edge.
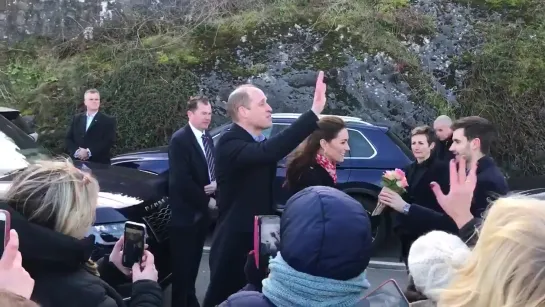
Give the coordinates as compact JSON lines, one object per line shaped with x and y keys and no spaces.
{"x":186,"y":244}
{"x":227,"y":259}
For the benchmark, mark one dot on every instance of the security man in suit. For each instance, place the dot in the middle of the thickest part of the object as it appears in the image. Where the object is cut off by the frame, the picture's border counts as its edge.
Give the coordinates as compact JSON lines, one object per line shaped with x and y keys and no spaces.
{"x":91,"y":135}
{"x":245,"y":169}
{"x":192,"y":185}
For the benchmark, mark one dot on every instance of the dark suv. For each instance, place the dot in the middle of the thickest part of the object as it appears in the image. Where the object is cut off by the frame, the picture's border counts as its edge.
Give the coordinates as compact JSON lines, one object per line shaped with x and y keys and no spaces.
{"x":373,"y":149}
{"x":125,"y":194}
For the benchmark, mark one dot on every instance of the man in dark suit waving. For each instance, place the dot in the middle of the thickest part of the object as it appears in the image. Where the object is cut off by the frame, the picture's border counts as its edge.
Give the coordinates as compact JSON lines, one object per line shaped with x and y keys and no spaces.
{"x":245,"y":169}
{"x":91,"y":135}
{"x":192,"y":186}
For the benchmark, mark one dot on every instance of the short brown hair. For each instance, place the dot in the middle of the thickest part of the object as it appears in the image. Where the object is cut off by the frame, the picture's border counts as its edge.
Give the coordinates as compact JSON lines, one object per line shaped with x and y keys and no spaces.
{"x":9,"y":299}
{"x":193,"y":102}
{"x":427,"y":131}
{"x":476,"y":127}
{"x":238,"y":98}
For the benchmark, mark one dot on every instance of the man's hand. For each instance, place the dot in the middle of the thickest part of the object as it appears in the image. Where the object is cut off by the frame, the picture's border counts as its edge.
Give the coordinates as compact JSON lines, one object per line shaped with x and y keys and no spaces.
{"x":457,"y":203}
{"x":13,"y":277}
{"x":211,"y":188}
{"x":391,"y":199}
{"x":81,"y":153}
{"x":212,"y":204}
{"x":318,"y":104}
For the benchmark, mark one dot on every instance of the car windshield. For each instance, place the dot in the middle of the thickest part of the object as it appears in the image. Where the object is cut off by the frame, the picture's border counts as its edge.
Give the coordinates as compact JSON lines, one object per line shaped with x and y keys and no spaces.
{"x":17,"y":149}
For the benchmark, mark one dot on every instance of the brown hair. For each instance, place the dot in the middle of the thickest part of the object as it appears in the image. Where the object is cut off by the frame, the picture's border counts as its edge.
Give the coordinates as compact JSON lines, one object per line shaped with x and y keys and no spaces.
{"x":9,"y":299}
{"x":427,"y":131}
{"x":476,"y":127}
{"x":193,"y":102}
{"x":305,"y":155}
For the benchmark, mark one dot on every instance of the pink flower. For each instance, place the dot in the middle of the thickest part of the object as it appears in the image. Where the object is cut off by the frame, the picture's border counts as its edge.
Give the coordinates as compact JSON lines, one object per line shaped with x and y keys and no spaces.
{"x":404,"y":183}
{"x":389,"y":175}
{"x":399,"y":174}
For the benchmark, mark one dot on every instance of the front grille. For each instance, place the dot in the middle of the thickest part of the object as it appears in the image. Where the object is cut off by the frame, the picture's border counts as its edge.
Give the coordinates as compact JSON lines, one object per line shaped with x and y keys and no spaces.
{"x":158,"y":219}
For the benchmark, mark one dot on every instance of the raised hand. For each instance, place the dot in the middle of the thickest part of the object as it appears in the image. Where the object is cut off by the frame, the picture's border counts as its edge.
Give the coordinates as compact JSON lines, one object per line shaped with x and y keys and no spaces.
{"x":318,"y":104}
{"x":457,"y":203}
{"x":13,"y":277}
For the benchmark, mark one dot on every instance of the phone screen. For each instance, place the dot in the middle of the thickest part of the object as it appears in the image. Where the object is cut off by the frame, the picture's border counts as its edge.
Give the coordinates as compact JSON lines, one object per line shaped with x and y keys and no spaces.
{"x":133,"y":245}
{"x":269,"y":235}
{"x":387,"y":295}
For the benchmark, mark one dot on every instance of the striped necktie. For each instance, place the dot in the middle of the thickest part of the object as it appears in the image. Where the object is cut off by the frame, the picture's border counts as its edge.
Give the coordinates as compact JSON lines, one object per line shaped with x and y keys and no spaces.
{"x":209,"y":153}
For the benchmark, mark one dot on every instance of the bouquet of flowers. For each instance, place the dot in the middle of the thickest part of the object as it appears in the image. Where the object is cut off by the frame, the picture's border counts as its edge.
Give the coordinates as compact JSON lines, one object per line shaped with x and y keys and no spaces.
{"x":394,"y":180}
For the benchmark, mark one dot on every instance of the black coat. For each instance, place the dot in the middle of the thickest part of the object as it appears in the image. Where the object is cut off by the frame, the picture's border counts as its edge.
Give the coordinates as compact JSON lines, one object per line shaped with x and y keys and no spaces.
{"x":99,"y":138}
{"x":442,"y":150}
{"x":245,"y":172}
{"x":57,"y":263}
{"x":312,"y":175}
{"x":490,"y":184}
{"x":188,"y":174}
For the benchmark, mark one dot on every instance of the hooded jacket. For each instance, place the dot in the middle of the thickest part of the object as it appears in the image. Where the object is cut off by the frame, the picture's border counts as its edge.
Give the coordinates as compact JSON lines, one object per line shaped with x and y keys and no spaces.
{"x":324,"y":233}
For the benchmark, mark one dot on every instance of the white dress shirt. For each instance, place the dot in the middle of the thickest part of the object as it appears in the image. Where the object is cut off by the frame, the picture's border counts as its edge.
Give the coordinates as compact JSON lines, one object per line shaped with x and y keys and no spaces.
{"x":198,"y":135}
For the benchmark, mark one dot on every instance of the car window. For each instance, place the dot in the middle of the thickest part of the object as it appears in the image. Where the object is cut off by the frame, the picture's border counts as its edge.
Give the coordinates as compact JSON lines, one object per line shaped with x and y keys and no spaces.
{"x":359,"y":145}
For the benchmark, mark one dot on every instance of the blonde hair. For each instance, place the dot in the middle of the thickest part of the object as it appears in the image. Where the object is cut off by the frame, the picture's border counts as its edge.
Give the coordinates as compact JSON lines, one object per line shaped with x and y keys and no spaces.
{"x":56,"y":195}
{"x":507,"y":265}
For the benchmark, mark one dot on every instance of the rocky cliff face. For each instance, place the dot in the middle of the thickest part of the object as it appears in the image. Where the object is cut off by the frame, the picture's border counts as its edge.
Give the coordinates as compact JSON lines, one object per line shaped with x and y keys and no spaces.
{"x":392,"y":62}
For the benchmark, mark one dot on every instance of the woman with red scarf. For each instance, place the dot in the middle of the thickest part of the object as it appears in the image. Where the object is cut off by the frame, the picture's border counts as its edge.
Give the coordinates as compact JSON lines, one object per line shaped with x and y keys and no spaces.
{"x":314,"y":161}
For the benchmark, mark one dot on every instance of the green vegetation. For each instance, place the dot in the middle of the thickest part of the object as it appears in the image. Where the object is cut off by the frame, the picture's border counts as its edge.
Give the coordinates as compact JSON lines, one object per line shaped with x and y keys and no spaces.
{"x":147,"y":67}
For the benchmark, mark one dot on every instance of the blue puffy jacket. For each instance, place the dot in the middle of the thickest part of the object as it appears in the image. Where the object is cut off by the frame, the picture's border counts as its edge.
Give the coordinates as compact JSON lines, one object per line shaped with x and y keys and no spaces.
{"x":323,"y":232}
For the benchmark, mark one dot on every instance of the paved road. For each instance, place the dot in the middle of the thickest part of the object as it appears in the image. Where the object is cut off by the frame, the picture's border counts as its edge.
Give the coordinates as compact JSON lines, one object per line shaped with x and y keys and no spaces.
{"x":375,"y":276}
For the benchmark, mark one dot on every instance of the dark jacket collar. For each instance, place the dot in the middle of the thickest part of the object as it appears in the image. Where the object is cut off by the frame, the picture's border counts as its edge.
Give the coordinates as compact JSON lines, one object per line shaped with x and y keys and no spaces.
{"x":242,"y":132}
{"x":43,"y":249}
{"x":485,"y":163}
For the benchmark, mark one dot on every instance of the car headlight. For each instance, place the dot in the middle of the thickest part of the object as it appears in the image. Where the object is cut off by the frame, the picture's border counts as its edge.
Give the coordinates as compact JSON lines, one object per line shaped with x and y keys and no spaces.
{"x":107,"y":234}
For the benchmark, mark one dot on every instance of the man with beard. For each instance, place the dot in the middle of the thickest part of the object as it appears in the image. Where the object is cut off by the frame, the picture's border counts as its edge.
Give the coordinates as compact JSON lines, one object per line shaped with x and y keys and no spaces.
{"x":442,"y":126}
{"x":245,"y":171}
{"x":472,"y":138}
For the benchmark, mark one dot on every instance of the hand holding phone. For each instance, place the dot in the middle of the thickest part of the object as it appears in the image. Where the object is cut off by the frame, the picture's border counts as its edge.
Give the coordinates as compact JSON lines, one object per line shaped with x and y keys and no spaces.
{"x":133,"y":243}
{"x":266,"y":237}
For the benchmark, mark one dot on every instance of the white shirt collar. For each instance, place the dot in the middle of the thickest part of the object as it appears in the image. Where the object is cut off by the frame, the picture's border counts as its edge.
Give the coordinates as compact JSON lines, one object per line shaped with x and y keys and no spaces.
{"x":92,"y":114}
{"x":198,"y":133}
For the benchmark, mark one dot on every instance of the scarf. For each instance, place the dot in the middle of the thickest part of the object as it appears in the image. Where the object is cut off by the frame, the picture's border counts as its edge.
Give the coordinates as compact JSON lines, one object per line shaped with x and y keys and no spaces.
{"x":286,"y":287}
{"x":329,"y":166}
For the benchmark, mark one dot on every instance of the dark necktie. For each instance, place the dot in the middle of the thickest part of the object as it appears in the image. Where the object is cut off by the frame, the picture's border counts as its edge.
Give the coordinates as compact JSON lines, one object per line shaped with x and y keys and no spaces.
{"x":209,"y":153}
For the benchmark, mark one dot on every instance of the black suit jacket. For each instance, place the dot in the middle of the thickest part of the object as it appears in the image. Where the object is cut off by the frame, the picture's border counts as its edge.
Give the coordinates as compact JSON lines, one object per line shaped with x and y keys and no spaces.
{"x":245,"y":171}
{"x":313,"y":175}
{"x":442,"y":150}
{"x":490,"y":184}
{"x":99,"y":138}
{"x":188,"y":174}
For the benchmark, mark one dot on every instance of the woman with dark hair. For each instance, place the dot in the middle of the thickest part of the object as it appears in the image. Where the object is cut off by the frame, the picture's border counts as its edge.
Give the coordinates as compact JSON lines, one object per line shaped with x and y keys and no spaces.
{"x":314,"y":162}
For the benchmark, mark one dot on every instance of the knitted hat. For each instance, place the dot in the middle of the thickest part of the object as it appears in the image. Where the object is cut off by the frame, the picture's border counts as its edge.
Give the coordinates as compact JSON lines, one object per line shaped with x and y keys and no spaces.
{"x":433,"y":259}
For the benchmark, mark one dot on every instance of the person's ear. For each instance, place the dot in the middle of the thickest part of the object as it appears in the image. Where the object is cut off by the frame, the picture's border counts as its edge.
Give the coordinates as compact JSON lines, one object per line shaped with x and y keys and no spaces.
{"x":476,"y":144}
{"x":323,"y":144}
{"x":432,"y":145}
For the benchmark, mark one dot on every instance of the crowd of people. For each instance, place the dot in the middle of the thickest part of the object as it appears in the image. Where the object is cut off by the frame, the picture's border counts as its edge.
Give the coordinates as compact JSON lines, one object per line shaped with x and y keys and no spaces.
{"x":464,"y":241}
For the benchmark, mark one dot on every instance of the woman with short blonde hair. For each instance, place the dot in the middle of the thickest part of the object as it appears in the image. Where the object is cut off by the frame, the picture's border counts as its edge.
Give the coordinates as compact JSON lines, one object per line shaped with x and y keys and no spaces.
{"x":52,"y":206}
{"x":507,"y":265}
{"x":57,"y":195}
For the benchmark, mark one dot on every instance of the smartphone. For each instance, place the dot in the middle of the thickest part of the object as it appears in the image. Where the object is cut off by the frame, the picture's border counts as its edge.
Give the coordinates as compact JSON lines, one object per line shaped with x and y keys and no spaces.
{"x":387,"y":295}
{"x":266,"y":237}
{"x":133,"y":243}
{"x":5,"y":220}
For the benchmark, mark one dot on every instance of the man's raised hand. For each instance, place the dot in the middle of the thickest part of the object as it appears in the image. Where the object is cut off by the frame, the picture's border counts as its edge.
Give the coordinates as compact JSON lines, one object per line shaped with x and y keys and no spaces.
{"x":457,"y":203}
{"x":318,"y":104}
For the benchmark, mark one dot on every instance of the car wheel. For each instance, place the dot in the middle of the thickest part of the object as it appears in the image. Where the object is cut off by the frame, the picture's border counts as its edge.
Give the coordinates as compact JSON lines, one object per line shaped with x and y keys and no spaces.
{"x":378,"y":223}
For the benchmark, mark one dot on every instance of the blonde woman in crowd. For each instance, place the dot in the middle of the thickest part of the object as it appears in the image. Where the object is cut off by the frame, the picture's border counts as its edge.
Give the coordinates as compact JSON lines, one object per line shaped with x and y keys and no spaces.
{"x":52,"y":206}
{"x":507,"y":266}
